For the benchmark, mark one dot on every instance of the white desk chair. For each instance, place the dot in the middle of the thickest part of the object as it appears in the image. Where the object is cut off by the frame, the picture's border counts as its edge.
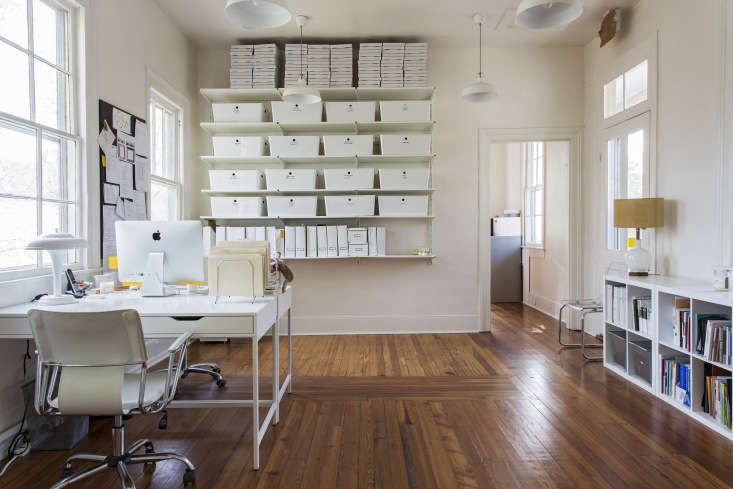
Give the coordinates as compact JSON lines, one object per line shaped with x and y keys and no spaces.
{"x":82,"y":359}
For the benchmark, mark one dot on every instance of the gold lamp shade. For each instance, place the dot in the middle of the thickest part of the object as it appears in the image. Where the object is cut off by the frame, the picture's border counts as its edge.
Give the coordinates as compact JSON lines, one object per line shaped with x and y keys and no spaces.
{"x":638,"y":213}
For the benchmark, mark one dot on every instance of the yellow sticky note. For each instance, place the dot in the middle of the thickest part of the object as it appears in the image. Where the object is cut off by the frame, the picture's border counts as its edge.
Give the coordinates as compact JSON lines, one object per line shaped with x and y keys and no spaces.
{"x":104,"y":160}
{"x":112,"y":262}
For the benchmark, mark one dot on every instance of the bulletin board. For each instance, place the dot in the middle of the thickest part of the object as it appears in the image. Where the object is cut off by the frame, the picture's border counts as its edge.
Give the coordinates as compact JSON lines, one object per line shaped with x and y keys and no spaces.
{"x":124,"y":171}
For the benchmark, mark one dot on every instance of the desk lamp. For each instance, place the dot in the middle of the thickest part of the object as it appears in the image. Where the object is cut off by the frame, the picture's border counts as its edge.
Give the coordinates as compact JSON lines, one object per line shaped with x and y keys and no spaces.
{"x":638,"y":214}
{"x":56,"y":244}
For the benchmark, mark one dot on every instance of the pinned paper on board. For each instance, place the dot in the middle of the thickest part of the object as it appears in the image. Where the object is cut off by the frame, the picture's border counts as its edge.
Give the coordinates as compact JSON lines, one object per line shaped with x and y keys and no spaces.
{"x":111,"y":193}
{"x":109,"y":217}
{"x":122,"y":121}
{"x":113,"y":170}
{"x":106,"y":140}
{"x":142,"y":173}
{"x":142,"y":143}
{"x":126,"y":189}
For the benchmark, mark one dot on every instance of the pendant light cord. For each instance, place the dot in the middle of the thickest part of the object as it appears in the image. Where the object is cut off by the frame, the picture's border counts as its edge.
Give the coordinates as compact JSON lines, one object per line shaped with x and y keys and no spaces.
{"x":480,"y":53}
{"x":301,"y":51}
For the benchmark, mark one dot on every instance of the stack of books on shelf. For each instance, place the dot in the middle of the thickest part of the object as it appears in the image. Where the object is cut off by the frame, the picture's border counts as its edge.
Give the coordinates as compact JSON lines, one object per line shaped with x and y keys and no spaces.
{"x":616,"y":305}
{"x":293,"y":67}
{"x":392,"y":65}
{"x":713,"y":338}
{"x":642,"y":311}
{"x":681,"y":332}
{"x":319,"y":65}
{"x":676,"y":379}
{"x":370,"y":59}
{"x":416,"y":64}
{"x":242,"y":63}
{"x":342,"y":66}
{"x":265,"y":69}
{"x":716,"y":394}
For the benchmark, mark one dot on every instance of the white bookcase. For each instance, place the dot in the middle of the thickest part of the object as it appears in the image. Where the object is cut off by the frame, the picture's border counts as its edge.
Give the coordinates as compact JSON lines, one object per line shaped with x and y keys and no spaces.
{"x":663,"y":291}
{"x":404,"y":233}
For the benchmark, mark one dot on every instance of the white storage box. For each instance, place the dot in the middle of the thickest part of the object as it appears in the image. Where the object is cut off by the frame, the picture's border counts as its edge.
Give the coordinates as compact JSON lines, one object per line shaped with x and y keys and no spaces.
{"x":405,"y":110}
{"x":403,"y":205}
{"x":349,"y":205}
{"x":250,"y":112}
{"x":237,"y":206}
{"x":405,"y":144}
{"x":358,"y":250}
{"x":297,"y":113}
{"x":348,"y":145}
{"x":357,"y":236}
{"x":227,"y":180}
{"x":349,"y":178}
{"x":300,"y":179}
{"x":294,"y":146}
{"x":350,"y":111}
{"x":404,"y":179}
{"x":239,"y":146}
{"x":291,"y":206}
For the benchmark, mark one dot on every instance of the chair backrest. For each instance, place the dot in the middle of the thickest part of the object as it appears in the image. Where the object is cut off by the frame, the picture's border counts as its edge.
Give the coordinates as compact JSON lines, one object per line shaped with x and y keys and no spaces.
{"x":91,"y":350}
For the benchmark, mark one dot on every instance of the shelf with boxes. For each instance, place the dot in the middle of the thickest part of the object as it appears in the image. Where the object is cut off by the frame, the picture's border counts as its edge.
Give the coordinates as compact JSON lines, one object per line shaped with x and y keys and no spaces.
{"x":238,"y":95}
{"x":688,"y":331}
{"x":339,"y":161}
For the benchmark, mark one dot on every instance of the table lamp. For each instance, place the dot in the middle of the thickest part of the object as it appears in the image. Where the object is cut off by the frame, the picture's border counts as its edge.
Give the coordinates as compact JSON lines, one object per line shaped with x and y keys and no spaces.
{"x":56,"y":244}
{"x":638,"y":214}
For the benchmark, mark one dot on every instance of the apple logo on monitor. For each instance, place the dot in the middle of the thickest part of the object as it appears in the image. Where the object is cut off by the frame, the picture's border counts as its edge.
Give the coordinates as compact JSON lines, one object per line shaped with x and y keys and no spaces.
{"x":156,"y":236}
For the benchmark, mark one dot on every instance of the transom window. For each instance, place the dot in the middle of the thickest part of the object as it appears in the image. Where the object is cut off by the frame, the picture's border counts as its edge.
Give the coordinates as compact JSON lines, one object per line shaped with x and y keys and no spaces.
{"x":626,"y":90}
{"x":39,"y":169}
{"x":534,"y":193}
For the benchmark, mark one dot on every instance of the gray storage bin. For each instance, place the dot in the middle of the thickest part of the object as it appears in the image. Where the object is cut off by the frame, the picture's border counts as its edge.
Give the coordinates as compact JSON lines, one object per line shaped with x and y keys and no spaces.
{"x":617,"y":346}
{"x":640,"y":359}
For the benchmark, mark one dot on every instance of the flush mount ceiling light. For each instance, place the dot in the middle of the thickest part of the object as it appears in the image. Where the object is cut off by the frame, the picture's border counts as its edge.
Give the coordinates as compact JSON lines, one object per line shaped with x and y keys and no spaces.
{"x":547,"y":14}
{"x":301,"y":93}
{"x":480,"y":90}
{"x":258,"y":14}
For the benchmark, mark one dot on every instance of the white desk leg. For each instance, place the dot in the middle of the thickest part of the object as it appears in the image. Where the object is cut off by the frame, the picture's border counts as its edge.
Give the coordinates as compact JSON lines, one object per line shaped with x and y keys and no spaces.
{"x":290,"y":354}
{"x":255,"y":403}
{"x":276,"y":369}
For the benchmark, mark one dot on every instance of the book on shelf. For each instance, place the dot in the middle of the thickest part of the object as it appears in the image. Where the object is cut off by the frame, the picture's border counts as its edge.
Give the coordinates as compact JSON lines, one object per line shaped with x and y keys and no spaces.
{"x":713,"y":337}
{"x":616,"y":304}
{"x":642,"y":313}
{"x":681,"y":326}
{"x":676,"y":379}
{"x":716,"y":397}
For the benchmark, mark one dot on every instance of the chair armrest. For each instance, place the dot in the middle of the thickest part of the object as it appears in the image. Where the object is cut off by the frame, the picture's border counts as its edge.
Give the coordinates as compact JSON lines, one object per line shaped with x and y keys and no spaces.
{"x":180,"y":342}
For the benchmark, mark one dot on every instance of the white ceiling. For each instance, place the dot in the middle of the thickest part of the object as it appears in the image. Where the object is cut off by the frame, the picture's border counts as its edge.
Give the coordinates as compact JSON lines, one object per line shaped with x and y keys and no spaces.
{"x":445,"y":22}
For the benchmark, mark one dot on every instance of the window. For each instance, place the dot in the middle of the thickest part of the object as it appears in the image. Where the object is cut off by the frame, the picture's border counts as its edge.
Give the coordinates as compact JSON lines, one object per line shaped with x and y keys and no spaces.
{"x":534,"y":193}
{"x":626,"y":90}
{"x":166,"y":168}
{"x":627,"y":166}
{"x":39,"y":168}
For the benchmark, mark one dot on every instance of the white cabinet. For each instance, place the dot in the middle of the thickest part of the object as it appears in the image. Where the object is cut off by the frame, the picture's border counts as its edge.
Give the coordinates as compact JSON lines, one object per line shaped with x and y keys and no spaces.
{"x":244,"y":112}
{"x":292,"y":206}
{"x":294,"y":146}
{"x":348,"y":145}
{"x":349,"y":205}
{"x":405,"y":110}
{"x":350,"y":111}
{"x":233,"y":146}
{"x":296,"y":179}
{"x":237,"y":206}
{"x":404,"y":179}
{"x":403,"y":205}
{"x":232,"y":180}
{"x":348,"y":178}
{"x":405,"y":144}
{"x":287,"y":112}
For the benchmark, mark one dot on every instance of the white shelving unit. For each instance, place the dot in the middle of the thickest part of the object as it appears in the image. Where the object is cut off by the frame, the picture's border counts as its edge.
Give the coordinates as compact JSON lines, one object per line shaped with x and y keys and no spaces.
{"x":663,"y":291}
{"x":408,"y":223}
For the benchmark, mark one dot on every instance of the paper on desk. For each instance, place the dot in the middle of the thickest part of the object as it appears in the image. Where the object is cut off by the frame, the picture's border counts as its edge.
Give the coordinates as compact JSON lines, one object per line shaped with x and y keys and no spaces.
{"x":122,"y":121}
{"x":106,"y":140}
{"x":126,"y":170}
{"x":109,"y":218}
{"x":142,"y":143}
{"x":111,"y":193}
{"x":113,"y":170}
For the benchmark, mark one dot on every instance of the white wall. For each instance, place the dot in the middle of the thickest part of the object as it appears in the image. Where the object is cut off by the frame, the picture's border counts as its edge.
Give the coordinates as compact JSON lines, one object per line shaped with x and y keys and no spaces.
{"x":123,"y":39}
{"x":506,"y":178}
{"x":688,"y":140}
{"x":538,"y":87}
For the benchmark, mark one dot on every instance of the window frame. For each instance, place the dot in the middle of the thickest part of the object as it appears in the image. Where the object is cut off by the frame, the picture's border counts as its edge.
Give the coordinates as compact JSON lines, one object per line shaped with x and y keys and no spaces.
{"x":527,"y":189}
{"x":74,"y":112}
{"x":157,"y":97}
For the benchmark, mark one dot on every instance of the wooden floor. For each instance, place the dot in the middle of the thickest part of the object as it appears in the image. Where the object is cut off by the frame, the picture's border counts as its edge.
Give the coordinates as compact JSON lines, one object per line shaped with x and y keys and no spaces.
{"x":501,"y":410}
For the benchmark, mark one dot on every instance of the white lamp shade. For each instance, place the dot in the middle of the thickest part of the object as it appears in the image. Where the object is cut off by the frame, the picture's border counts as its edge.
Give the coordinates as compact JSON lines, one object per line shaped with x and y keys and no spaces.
{"x":56,"y":241}
{"x":258,"y":14}
{"x":547,"y":14}
{"x":302,"y":94}
{"x":479,"y":91}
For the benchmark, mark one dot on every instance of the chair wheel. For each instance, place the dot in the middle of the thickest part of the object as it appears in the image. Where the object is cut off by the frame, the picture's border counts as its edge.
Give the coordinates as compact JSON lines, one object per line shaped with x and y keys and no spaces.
{"x":68,"y":470}
{"x":149,"y":467}
{"x":189,"y":477}
{"x":163,"y":423}
{"x":221,"y":383}
{"x":216,"y":369}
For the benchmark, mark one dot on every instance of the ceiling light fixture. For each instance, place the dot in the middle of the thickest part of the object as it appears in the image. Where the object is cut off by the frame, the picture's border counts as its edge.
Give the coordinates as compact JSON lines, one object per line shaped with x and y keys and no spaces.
{"x":301,"y":93}
{"x":258,"y":14}
{"x":547,"y":14}
{"x":480,"y":90}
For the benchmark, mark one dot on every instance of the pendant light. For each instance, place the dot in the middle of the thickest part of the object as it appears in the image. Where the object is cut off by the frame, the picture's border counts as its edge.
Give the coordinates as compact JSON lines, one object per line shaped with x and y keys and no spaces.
{"x":258,"y":14}
{"x":480,"y":90}
{"x":301,"y":93}
{"x":547,"y":14}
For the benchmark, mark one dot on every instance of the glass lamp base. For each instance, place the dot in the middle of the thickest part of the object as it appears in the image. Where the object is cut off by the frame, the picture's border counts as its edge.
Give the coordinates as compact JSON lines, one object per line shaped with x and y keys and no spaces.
{"x":638,"y":261}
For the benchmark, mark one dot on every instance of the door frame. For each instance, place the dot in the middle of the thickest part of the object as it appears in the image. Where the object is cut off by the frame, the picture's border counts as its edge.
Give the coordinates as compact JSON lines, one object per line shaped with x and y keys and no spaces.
{"x":486,"y":138}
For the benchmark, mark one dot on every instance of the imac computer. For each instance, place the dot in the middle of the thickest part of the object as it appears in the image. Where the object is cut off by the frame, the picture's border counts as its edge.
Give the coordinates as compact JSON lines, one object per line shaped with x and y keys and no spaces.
{"x":157,"y":253}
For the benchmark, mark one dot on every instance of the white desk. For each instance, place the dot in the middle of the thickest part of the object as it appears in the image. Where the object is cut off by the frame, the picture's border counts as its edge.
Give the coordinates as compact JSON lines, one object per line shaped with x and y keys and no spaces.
{"x":169,"y":317}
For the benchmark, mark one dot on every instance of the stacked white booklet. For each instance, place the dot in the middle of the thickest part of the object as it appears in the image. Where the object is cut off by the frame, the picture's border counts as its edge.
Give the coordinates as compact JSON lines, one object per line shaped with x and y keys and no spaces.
{"x":342,"y":70}
{"x":319,"y":65}
{"x":392,"y":65}
{"x":242,"y":63}
{"x":416,"y":64}
{"x":265,"y":68}
{"x":369,"y":65}
{"x":293,"y":67}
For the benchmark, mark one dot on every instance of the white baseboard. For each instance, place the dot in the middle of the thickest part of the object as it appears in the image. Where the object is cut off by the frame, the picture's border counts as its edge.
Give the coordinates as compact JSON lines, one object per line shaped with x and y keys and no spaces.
{"x":548,"y":306}
{"x":415,"y":324}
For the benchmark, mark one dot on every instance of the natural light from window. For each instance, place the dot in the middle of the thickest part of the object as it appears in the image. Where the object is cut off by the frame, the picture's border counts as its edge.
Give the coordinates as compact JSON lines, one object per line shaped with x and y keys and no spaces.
{"x":626,"y":91}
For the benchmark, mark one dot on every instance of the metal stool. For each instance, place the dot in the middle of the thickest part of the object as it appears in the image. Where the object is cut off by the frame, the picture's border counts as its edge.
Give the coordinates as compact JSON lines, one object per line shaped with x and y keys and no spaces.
{"x":583,"y":307}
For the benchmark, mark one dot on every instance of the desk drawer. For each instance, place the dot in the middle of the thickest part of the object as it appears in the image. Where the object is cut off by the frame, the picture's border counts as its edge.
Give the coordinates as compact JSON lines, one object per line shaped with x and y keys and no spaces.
{"x":202,"y":327}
